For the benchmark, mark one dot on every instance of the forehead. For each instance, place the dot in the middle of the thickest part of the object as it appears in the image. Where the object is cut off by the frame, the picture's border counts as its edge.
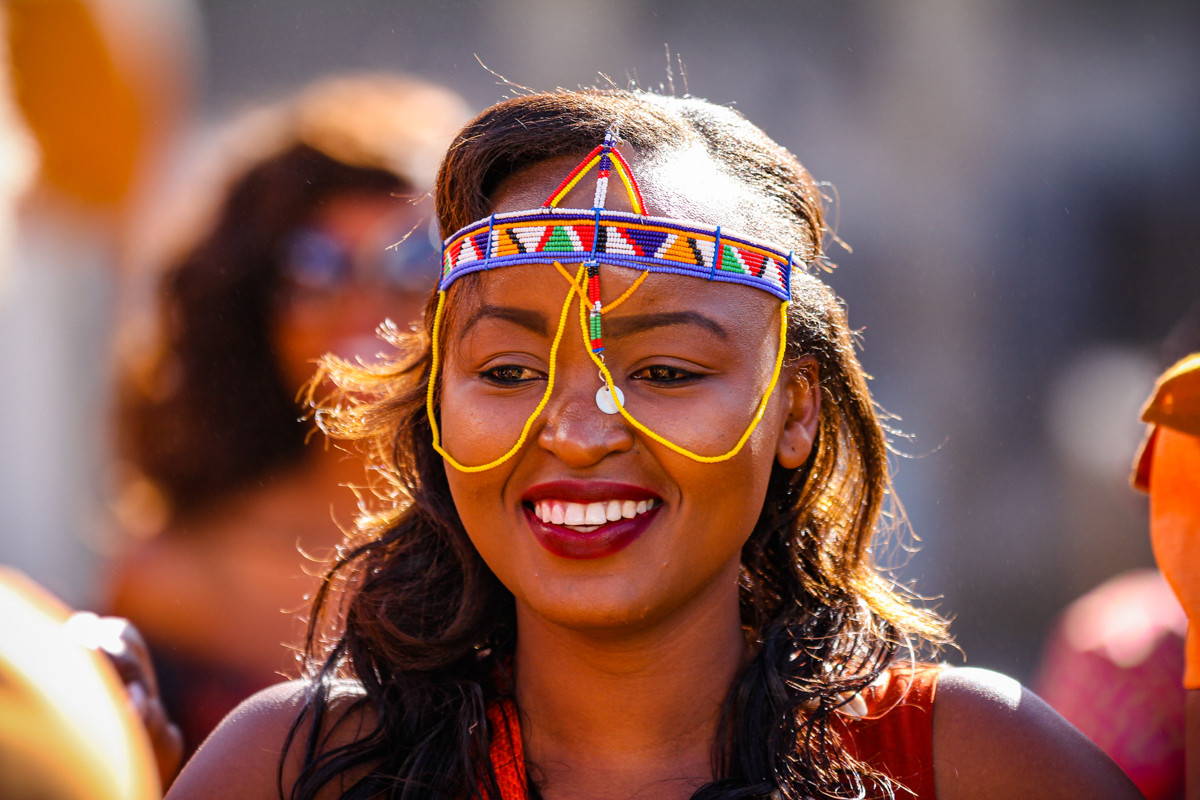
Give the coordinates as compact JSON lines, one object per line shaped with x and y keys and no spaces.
{"x":684,"y":183}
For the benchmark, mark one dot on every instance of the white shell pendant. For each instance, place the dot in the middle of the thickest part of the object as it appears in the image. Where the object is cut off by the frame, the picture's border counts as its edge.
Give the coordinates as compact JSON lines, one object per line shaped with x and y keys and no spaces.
{"x":604,"y":400}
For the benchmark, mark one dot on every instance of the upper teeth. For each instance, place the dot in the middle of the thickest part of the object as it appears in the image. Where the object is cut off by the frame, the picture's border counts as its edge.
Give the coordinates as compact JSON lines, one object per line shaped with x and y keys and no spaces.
{"x":590,"y":515}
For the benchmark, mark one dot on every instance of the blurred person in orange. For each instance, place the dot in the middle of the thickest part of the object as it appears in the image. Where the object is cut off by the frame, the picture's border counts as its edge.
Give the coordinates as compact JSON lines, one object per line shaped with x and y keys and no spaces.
{"x":103,"y":85}
{"x":100,"y":89}
{"x":1113,"y":663}
{"x":90,"y":92}
{"x":314,"y":237}
{"x":1169,"y":469}
{"x":73,"y":727}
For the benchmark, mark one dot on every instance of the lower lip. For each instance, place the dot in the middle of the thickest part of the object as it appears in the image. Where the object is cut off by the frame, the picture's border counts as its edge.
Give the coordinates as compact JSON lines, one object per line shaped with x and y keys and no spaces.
{"x":606,"y":540}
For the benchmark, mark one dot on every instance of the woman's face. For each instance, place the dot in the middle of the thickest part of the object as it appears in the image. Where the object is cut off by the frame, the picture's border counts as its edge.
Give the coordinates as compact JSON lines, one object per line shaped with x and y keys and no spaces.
{"x":339,"y":286}
{"x":593,"y":525}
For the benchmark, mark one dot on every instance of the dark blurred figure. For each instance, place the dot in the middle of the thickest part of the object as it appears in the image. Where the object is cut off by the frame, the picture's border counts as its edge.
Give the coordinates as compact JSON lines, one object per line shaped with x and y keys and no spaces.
{"x":317,"y":237}
{"x":1113,"y":663}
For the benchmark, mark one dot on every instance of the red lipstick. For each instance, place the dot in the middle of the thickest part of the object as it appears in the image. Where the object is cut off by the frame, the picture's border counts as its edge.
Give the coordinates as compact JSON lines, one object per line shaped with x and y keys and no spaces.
{"x":608,"y":538}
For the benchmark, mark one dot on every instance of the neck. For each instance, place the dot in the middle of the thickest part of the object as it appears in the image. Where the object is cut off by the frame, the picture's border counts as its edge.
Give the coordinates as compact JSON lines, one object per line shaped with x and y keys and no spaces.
{"x":634,"y":712}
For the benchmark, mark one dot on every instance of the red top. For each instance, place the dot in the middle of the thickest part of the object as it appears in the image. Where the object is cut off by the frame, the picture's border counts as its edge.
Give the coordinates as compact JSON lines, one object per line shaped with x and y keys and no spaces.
{"x":895,"y":736}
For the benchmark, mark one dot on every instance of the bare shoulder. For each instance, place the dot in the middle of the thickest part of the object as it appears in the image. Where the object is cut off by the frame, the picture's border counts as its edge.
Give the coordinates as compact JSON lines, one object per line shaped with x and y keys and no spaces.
{"x":992,"y":738}
{"x":242,"y":757}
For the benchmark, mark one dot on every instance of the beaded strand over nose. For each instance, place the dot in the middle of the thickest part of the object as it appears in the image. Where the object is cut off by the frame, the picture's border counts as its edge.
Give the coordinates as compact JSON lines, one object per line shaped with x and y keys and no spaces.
{"x":549,"y":235}
{"x":602,"y":157}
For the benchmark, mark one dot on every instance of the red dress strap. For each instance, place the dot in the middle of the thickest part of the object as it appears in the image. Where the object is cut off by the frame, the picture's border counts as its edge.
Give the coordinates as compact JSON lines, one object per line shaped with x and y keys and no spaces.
{"x":895,"y":736}
{"x":507,"y":751}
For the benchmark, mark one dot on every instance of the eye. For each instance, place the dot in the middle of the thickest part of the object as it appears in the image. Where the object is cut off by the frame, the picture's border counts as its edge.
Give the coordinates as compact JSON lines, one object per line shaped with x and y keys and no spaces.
{"x":662,"y":375}
{"x":510,"y":375}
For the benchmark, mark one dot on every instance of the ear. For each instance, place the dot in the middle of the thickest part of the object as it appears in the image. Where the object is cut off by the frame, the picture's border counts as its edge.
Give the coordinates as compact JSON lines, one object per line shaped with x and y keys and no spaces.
{"x":803,"y":396}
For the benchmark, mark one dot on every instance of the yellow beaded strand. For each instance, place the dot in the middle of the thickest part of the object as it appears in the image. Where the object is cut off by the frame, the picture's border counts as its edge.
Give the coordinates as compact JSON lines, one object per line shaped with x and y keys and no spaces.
{"x":566,"y":190}
{"x":583,"y":295}
{"x":627,"y":180}
{"x":433,"y":367}
{"x":762,"y":405}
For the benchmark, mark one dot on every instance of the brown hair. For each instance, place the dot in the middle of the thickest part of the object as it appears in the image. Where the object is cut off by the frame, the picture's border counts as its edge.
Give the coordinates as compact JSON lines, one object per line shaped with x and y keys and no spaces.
{"x":425,"y":626}
{"x":207,"y":411}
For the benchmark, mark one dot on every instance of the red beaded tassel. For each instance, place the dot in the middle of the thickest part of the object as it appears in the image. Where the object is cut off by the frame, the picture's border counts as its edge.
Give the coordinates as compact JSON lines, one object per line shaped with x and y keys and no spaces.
{"x":593,"y":267}
{"x":593,"y":293}
{"x":602,"y":156}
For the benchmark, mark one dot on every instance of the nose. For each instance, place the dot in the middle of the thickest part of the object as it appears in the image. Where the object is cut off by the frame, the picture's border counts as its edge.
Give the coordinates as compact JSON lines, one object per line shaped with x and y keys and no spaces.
{"x":577,"y":431}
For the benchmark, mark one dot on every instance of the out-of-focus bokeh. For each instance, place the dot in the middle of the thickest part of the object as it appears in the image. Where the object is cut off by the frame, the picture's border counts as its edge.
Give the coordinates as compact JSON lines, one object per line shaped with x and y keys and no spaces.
{"x":100,"y":93}
{"x":310,"y":225}
{"x":1016,"y":179}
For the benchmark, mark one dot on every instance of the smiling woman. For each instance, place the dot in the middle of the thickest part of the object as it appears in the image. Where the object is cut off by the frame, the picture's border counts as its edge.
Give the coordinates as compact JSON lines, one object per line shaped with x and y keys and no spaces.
{"x":630,"y":474}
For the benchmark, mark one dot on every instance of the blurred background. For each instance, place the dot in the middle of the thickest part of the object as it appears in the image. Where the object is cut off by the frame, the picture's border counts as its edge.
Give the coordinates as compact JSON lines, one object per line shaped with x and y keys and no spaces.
{"x":1017,"y":180}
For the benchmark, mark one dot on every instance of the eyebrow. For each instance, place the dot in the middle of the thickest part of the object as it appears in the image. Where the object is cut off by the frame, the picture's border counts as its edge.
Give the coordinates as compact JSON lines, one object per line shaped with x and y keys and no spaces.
{"x":530,"y":320}
{"x":638,"y":323}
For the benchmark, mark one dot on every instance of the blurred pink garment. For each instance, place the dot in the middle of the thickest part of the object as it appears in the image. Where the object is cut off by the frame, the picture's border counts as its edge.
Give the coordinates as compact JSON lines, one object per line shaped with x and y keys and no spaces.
{"x":1113,"y":668}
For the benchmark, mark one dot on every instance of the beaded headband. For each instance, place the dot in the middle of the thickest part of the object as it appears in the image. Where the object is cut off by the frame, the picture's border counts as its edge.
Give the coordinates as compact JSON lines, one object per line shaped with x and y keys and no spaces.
{"x":621,"y":238}
{"x":550,"y":235}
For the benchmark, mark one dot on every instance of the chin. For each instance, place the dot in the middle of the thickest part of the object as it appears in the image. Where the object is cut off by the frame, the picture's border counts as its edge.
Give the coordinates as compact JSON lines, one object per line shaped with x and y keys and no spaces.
{"x":594,"y":603}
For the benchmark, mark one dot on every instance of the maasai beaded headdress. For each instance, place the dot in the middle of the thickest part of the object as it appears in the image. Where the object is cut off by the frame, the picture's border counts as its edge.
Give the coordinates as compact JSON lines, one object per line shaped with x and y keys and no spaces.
{"x":550,"y":235}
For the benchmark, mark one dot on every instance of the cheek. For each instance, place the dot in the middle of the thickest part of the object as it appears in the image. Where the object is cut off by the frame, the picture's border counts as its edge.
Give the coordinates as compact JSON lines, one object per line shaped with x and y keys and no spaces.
{"x":472,"y":436}
{"x":298,"y":337}
{"x":475,"y":431}
{"x":479,"y":500}
{"x":307,"y":328}
{"x":477,"y":427}
{"x":721,"y":502}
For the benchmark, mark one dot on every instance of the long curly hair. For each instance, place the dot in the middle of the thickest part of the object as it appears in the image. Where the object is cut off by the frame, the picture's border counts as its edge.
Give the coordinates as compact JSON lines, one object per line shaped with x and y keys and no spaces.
{"x":203,"y":407}
{"x":411,"y":612}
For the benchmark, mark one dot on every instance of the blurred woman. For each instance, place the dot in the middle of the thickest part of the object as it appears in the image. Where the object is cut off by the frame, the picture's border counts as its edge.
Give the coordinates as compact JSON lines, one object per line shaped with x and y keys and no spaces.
{"x":317,"y":238}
